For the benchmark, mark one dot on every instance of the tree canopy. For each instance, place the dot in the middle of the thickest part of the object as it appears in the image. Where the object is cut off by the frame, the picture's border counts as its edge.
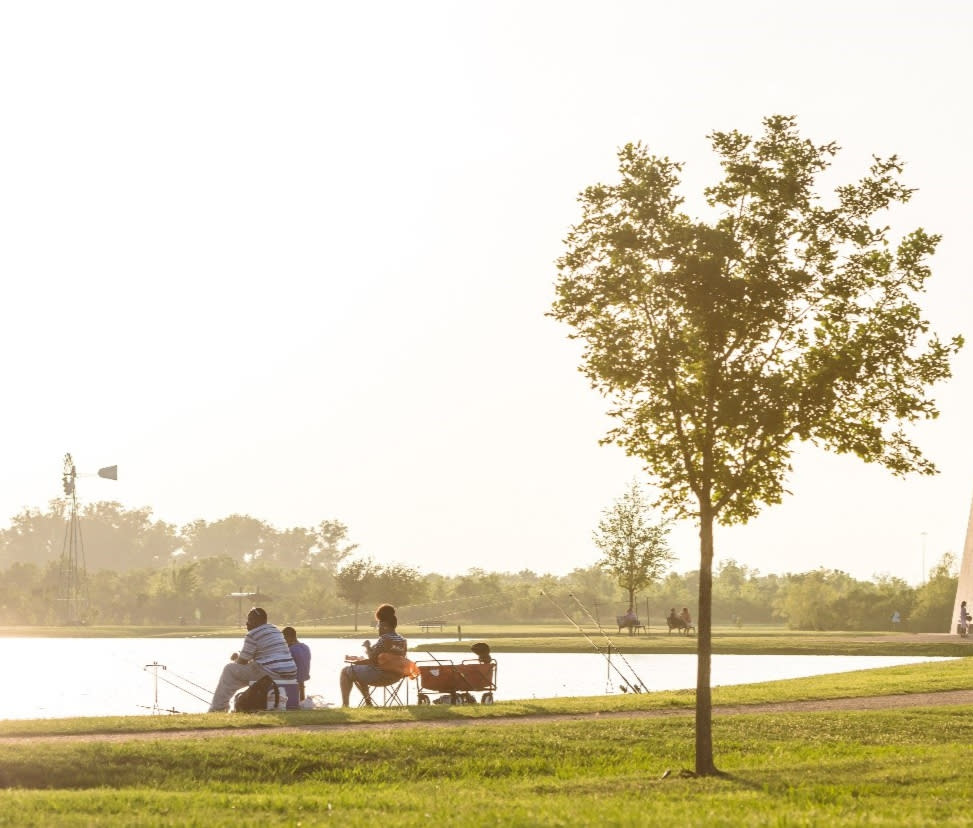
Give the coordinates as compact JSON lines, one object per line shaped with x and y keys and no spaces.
{"x":634,"y":549}
{"x":123,"y":539}
{"x":723,"y":343}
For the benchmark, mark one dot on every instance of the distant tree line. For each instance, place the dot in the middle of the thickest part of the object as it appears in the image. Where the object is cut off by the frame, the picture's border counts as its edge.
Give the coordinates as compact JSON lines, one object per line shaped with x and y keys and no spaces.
{"x":128,"y":539}
{"x":146,"y":572}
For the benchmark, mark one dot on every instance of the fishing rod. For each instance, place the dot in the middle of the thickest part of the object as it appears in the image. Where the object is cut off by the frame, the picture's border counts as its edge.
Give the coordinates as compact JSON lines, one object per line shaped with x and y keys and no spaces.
{"x":584,"y":609}
{"x":626,"y":683}
{"x":155,"y":668}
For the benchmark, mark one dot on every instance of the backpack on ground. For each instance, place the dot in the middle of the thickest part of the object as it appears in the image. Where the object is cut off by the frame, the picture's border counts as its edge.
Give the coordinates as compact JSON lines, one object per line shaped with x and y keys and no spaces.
{"x":258,"y":696}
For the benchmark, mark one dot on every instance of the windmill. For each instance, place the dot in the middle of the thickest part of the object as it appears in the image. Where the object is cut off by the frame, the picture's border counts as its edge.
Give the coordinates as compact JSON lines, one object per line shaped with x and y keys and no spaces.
{"x":72,"y":591}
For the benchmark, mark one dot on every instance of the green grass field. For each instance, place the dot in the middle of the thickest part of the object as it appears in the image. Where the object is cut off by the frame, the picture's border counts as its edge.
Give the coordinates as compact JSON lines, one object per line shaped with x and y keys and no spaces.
{"x":812,"y":769}
{"x":562,"y":638}
{"x":830,"y":768}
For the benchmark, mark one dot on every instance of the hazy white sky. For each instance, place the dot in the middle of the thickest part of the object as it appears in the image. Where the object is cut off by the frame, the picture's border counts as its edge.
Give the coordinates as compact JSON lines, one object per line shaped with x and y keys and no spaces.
{"x":292,"y":260}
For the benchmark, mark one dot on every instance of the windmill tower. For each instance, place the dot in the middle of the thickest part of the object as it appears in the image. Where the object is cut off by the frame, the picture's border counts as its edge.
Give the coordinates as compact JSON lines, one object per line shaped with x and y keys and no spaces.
{"x":964,"y":589}
{"x":72,"y":590}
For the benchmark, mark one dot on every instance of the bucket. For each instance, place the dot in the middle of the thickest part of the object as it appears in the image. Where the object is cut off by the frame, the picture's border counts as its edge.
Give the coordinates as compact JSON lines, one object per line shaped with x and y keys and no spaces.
{"x":289,"y":686}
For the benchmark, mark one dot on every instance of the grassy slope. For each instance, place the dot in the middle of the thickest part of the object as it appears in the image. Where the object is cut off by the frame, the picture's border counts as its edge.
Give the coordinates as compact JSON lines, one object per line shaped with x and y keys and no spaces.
{"x":811,"y":769}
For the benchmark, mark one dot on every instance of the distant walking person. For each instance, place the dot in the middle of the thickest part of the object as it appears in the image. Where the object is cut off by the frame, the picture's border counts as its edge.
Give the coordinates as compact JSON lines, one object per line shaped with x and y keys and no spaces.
{"x":301,"y":654}
{"x":964,"y":620}
{"x":264,"y":653}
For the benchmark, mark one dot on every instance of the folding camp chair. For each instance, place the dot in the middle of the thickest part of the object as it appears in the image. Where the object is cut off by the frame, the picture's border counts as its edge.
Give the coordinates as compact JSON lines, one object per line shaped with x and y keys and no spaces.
{"x":392,"y":695}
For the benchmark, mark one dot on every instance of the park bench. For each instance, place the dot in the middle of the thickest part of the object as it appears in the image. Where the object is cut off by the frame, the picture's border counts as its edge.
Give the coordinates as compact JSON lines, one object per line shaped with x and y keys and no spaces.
{"x":427,"y":626}
{"x":633,"y":627}
{"x":680,"y":626}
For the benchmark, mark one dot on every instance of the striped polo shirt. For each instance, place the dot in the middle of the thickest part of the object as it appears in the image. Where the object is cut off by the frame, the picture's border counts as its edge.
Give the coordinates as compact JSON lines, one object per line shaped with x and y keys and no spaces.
{"x":389,"y":642}
{"x":266,"y":646}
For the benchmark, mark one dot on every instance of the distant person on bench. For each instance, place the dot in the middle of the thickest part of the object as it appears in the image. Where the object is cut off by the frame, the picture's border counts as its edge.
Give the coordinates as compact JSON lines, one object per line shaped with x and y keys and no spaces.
{"x":686,"y":618}
{"x":673,"y":620}
{"x":630,"y":619}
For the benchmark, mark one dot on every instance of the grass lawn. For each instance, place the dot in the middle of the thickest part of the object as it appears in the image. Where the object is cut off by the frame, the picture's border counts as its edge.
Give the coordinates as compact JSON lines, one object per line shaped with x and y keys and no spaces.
{"x":562,"y":638}
{"x":830,"y":768}
{"x":811,"y":769}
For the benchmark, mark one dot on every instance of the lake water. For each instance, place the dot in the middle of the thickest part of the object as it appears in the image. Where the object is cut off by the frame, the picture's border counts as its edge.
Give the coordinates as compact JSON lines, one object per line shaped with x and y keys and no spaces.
{"x":111,"y":677}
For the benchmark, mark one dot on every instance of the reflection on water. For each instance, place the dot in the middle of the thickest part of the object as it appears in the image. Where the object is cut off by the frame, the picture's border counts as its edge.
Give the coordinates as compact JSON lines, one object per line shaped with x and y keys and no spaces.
{"x":108,"y":677}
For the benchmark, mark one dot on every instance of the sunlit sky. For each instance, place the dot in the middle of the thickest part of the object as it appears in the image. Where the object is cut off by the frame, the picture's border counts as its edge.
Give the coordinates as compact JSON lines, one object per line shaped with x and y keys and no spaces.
{"x":293,"y":260}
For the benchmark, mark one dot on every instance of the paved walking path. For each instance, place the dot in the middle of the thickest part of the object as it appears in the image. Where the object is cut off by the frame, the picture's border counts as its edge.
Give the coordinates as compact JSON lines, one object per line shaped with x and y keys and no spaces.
{"x":894,"y":702}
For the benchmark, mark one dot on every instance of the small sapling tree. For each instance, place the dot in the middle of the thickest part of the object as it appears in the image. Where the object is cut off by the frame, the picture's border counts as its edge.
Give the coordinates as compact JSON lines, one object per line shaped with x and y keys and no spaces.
{"x":634,"y":550}
{"x":723,"y":343}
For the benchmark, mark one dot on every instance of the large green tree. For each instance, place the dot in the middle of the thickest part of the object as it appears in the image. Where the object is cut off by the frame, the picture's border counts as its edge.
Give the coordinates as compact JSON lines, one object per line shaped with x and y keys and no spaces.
{"x":112,"y":537}
{"x":634,"y":548}
{"x":332,"y":545}
{"x":34,"y":536}
{"x":724,"y":342}
{"x":237,"y":536}
{"x":355,"y":582}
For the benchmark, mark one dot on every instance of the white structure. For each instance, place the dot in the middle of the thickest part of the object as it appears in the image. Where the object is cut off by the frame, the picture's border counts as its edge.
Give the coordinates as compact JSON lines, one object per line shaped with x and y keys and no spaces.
{"x":964,"y":589}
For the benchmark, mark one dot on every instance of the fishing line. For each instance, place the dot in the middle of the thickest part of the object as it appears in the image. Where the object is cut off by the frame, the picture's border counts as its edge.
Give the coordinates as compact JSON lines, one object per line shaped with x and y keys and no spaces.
{"x":497,"y":603}
{"x":179,"y":686}
{"x":641,"y":684}
{"x":191,"y":682}
{"x":407,"y":608}
{"x":224,"y":630}
{"x":625,"y":682}
{"x":444,"y":601}
{"x":185,"y":690}
{"x":410,"y":609}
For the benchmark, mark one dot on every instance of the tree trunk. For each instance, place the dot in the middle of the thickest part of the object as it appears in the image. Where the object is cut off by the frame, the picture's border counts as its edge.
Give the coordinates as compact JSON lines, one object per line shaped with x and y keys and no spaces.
{"x":704,"y":646}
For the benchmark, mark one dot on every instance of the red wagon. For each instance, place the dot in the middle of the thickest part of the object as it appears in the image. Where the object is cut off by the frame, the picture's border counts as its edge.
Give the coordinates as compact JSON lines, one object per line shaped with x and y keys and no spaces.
{"x":456,"y":683}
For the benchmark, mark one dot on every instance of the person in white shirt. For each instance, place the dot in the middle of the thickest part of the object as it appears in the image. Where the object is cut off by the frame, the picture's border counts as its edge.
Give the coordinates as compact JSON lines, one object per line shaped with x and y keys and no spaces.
{"x":264,"y":653}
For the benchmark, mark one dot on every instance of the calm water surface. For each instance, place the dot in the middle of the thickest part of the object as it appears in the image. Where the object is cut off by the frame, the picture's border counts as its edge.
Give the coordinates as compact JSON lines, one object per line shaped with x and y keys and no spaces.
{"x":111,"y":677}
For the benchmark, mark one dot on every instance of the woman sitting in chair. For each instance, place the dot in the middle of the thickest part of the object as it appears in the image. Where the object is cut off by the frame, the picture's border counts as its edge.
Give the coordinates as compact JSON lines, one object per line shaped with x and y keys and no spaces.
{"x":366,"y":672}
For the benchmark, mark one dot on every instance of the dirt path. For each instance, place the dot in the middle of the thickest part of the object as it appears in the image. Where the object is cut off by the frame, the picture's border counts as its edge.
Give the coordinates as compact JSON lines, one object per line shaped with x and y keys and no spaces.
{"x":904,"y":700}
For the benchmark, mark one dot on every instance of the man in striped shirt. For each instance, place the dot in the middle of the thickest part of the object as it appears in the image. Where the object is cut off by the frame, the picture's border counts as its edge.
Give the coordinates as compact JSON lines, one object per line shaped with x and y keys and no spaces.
{"x":264,"y":653}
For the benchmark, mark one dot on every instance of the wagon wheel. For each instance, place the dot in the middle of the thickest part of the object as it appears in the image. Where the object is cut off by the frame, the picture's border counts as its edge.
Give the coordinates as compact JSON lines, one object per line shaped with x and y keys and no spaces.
{"x":423,"y":698}
{"x":486,"y":698}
